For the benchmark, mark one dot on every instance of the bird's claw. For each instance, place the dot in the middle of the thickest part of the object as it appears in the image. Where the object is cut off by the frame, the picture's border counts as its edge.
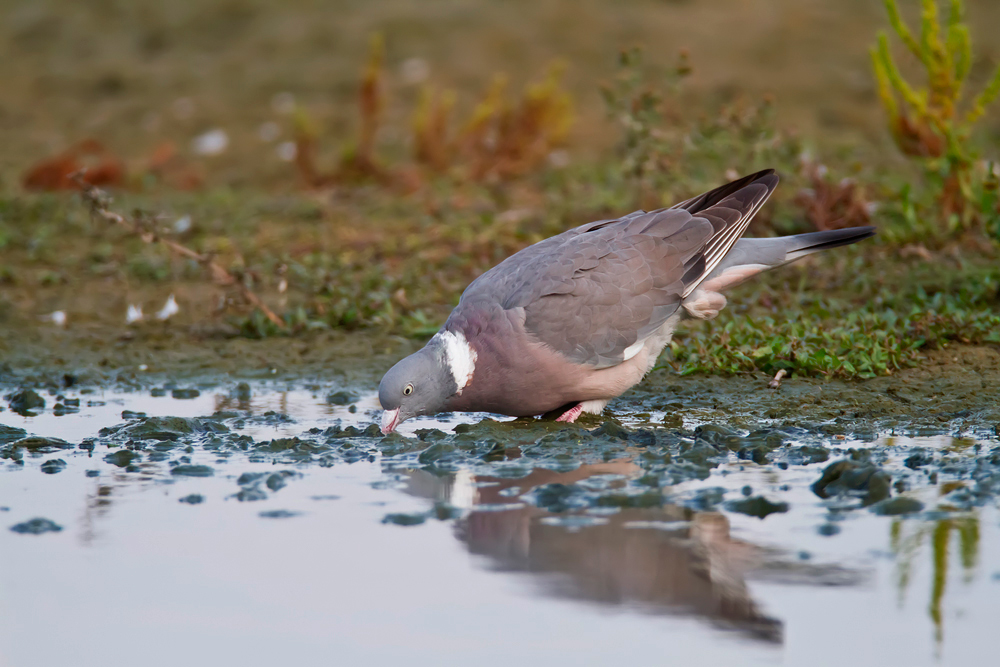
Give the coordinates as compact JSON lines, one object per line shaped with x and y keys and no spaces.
{"x":570,"y":415}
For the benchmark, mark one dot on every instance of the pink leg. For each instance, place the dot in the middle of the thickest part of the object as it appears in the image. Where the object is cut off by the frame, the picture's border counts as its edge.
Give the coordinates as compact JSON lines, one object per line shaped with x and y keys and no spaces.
{"x":570,"y":415}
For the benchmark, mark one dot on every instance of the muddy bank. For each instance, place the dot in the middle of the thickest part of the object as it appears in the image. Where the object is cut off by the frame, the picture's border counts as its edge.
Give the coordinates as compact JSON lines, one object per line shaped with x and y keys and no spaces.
{"x":956,"y":389}
{"x":51,"y":358}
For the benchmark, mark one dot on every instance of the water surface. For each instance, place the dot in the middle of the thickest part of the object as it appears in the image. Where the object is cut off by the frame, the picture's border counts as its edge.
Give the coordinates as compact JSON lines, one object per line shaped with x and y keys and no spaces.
{"x":502,"y":543}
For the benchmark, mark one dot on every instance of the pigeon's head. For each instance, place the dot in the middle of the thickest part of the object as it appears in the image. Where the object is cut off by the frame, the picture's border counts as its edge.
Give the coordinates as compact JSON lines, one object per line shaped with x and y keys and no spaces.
{"x":422,"y":383}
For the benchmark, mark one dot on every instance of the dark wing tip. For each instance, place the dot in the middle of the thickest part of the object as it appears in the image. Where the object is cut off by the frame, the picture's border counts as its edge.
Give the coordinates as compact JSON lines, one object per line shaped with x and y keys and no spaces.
{"x":766,"y":177}
{"x":742,"y":198}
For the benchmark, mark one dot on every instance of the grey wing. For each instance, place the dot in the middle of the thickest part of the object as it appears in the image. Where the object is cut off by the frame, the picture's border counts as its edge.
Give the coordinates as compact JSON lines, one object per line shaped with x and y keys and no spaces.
{"x":513,"y":281}
{"x":596,"y":290}
{"x":610,"y":287}
{"x":620,"y":295}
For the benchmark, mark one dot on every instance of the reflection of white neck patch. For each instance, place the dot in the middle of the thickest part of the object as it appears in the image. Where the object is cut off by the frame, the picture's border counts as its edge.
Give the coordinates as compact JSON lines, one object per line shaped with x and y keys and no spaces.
{"x":460,"y":356}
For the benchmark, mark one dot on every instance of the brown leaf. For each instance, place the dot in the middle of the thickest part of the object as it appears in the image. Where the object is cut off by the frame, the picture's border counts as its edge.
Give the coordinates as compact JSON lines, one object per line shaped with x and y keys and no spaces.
{"x":55,"y":173}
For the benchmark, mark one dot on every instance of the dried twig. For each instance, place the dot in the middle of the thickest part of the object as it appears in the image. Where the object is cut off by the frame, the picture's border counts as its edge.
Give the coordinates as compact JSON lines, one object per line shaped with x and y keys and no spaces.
{"x":776,"y":382}
{"x":100,"y":203}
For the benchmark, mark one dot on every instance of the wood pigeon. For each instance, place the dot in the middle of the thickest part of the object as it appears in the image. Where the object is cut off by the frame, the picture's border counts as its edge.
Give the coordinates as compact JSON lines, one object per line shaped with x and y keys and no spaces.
{"x":573,"y":321}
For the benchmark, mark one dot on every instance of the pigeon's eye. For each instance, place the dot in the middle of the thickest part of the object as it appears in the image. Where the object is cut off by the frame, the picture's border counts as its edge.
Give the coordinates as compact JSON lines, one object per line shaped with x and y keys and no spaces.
{"x":407,"y":390}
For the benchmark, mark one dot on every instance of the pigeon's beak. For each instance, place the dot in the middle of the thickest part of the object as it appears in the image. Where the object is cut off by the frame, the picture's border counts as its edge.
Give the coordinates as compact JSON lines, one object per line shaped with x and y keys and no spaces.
{"x":390,"y":419}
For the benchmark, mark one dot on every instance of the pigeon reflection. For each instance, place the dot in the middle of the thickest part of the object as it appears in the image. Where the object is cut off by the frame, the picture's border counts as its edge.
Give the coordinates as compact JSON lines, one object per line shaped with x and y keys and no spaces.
{"x":658,"y":560}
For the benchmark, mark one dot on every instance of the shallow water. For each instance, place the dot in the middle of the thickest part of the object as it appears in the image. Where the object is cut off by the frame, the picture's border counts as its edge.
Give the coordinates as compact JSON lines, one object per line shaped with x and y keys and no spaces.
{"x":508,"y":546}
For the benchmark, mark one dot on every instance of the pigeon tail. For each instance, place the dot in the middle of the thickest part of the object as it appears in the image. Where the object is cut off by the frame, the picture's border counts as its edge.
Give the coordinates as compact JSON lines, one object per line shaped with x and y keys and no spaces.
{"x":751,"y":256}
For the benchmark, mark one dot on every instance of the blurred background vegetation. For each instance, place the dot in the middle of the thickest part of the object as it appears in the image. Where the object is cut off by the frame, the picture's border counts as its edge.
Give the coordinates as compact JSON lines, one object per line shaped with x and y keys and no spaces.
{"x":357,"y":163}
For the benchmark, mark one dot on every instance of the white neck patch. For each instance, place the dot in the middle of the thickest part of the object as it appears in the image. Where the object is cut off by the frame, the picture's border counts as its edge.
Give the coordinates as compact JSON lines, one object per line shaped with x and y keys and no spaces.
{"x":460,"y":356}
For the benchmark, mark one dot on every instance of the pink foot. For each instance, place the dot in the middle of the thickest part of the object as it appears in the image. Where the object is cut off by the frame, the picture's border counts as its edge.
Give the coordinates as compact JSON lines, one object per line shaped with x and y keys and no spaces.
{"x":570,"y":415}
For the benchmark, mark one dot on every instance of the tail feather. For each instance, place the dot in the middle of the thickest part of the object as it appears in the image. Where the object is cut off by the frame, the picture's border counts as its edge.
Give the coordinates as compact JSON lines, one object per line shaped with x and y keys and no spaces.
{"x":751,"y":256}
{"x":806,"y":244}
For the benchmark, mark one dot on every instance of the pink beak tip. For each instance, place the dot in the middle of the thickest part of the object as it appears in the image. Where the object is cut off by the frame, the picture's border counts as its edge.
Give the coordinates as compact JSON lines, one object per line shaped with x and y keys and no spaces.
{"x":390,"y":419}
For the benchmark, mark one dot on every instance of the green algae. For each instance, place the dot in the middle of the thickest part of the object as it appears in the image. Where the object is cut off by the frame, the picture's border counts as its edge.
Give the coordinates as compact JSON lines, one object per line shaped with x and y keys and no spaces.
{"x":53,"y":466}
{"x":11,"y":433}
{"x":24,"y":401}
{"x":278,"y":514}
{"x":849,"y":477}
{"x":37,"y":526}
{"x":192,"y":471}
{"x":122,"y":458}
{"x":402,"y":519}
{"x":36,"y":443}
{"x":897,"y":506}
{"x":758,"y":506}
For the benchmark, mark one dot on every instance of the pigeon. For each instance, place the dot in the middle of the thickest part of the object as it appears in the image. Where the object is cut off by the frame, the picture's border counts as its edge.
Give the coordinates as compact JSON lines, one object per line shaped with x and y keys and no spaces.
{"x":572,"y":322}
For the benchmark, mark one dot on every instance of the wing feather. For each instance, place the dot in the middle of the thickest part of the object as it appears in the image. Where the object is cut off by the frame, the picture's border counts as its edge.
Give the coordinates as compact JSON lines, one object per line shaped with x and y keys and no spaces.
{"x":594,"y":292}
